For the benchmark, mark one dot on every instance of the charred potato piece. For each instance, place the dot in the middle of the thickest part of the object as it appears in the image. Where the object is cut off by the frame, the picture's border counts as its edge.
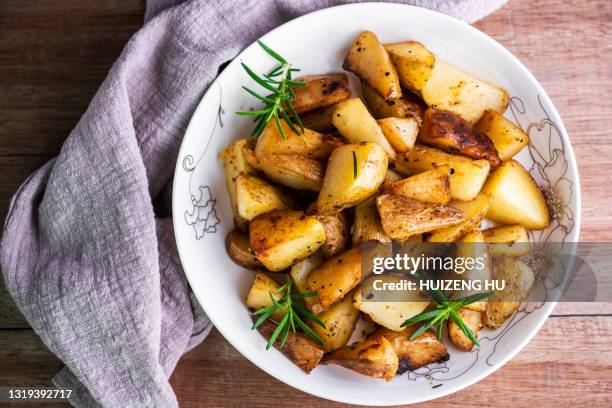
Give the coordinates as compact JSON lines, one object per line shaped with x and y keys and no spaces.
{"x":509,"y":240}
{"x":432,"y":186}
{"x":255,"y":196}
{"x":401,"y":217}
{"x":336,"y":277}
{"x":414,"y":63}
{"x":508,"y":138}
{"x":401,"y":133}
{"x":374,"y":357}
{"x":298,"y":347}
{"x":367,"y":225}
{"x":473,"y":320}
{"x":450,"y":132}
{"x":474,"y":211}
{"x":281,"y":238}
{"x":403,"y":107}
{"x":239,"y":249}
{"x":354,"y":173}
{"x":419,"y":352}
{"x":299,"y":273}
{"x":369,"y":60}
{"x":467,"y":176}
{"x":234,"y":163}
{"x":319,"y":120}
{"x":259,"y":294}
{"x":340,"y":321}
{"x":355,"y":123}
{"x":337,"y":230}
{"x":321,"y":91}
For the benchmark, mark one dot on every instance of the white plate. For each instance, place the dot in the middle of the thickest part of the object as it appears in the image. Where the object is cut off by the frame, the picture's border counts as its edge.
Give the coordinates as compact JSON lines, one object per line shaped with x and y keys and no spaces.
{"x":317,"y":43}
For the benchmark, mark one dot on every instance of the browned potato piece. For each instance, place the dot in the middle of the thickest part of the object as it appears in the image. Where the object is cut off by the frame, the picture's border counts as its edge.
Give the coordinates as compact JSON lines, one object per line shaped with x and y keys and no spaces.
{"x":298,"y":347}
{"x":239,"y":249}
{"x":401,"y":133}
{"x":432,"y":186}
{"x":354,"y":173}
{"x":403,"y":107}
{"x":414,"y":63}
{"x":311,"y":144}
{"x":509,"y":240}
{"x":367,"y":225}
{"x":473,"y":320}
{"x":337,"y":230}
{"x":401,"y":217}
{"x":450,"y":132}
{"x":474,"y":211}
{"x":255,"y":196}
{"x":340,"y":321}
{"x":424,"y":349}
{"x":259,"y":294}
{"x":336,"y":277}
{"x":374,"y":357}
{"x":473,"y":246}
{"x":320,"y":120}
{"x":281,"y":238}
{"x":507,"y":137}
{"x":234,"y":163}
{"x":299,"y":273}
{"x":291,"y":170}
{"x":393,"y":176}
{"x":369,"y":60}
{"x":322,"y":90}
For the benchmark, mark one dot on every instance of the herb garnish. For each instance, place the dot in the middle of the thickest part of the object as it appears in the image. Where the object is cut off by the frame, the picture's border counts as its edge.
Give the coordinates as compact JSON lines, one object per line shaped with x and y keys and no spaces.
{"x":289,"y":303}
{"x":354,"y":165}
{"x":278,"y":104}
{"x":445,"y":309}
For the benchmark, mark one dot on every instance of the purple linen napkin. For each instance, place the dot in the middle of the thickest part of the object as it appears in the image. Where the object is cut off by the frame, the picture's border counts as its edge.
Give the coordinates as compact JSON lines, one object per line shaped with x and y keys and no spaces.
{"x":89,"y":262}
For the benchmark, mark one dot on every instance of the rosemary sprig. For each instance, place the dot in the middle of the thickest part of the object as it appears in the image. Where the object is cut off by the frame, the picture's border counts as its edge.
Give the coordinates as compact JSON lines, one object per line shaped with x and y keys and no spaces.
{"x":445,"y":309}
{"x":294,"y":315}
{"x":278,"y":103}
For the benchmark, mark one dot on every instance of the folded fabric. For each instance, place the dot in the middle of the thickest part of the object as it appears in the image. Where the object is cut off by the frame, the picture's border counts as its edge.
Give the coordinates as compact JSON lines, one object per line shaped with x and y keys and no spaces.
{"x":87,"y":256}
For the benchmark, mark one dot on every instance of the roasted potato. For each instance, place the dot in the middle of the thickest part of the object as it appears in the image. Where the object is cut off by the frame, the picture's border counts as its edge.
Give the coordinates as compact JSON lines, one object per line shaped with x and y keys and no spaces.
{"x":299,"y":273}
{"x":336,"y":277}
{"x":259,"y":294}
{"x":354,"y":172}
{"x":321,"y":91}
{"x":367,"y":225}
{"x":422,"y":350}
{"x":340,"y":321}
{"x":234,"y":164}
{"x":466,"y":176}
{"x":509,"y":240}
{"x":239,"y":249}
{"x":337,"y":230}
{"x":401,"y":217}
{"x":473,"y":246}
{"x":474,"y":211}
{"x":255,"y":196}
{"x":401,"y":133}
{"x":450,"y":132}
{"x":517,"y":199}
{"x":281,"y":238}
{"x":414,"y":63}
{"x":431,"y":186}
{"x":507,"y":137}
{"x":369,"y":60}
{"x":392,"y":176}
{"x":473,"y":320}
{"x":370,"y":299}
{"x":374,"y":357}
{"x":355,"y":123}
{"x":319,"y":120}
{"x":311,"y":144}
{"x":291,"y":170}
{"x":298,"y":347}
{"x":403,"y":107}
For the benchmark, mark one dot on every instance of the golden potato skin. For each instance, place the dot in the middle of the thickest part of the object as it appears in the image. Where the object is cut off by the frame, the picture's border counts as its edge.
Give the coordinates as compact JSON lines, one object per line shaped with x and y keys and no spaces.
{"x":319,"y":120}
{"x":341,"y":189}
{"x":473,"y":320}
{"x":432,"y":186}
{"x":508,"y":138}
{"x":255,"y":196}
{"x":234,"y":163}
{"x":450,"y":132}
{"x":340,"y":321}
{"x":404,"y":107}
{"x":402,"y":217}
{"x":239,"y":249}
{"x":474,"y":211}
{"x":337,"y":230}
{"x":321,"y":91}
{"x":369,"y":60}
{"x":508,"y":240}
{"x":259,"y":294}
{"x":413,"y":354}
{"x":414,"y":63}
{"x":367,"y":225}
{"x":401,"y":133}
{"x":298,"y":347}
{"x":374,"y":357}
{"x":281,"y":238}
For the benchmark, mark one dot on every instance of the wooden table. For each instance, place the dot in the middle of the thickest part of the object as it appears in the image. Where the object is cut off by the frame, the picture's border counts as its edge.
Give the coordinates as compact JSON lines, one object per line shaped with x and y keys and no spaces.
{"x":53,"y":56}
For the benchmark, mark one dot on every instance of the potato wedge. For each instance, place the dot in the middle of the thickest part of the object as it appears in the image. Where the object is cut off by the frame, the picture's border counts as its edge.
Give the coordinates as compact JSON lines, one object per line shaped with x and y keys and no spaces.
{"x":517,"y":199}
{"x":508,"y":138}
{"x":509,"y":240}
{"x":431,"y":186}
{"x":239,"y":249}
{"x":370,"y":299}
{"x":321,"y":91}
{"x":291,"y":170}
{"x":369,"y":60}
{"x":311,"y":144}
{"x":393,"y":176}
{"x":472,"y":246}
{"x":466,"y":176}
{"x":298,"y":347}
{"x":342,"y":188}
{"x":319,"y":120}
{"x":340,"y":321}
{"x":402,"y":217}
{"x":337,"y":230}
{"x":234,"y":164}
{"x":450,"y":132}
{"x":367,"y":225}
{"x":355,"y":123}
{"x":299,"y":273}
{"x":259,"y":294}
{"x":414,"y":63}
{"x":374,"y":357}
{"x":255,"y":196}
{"x":474,"y":211}
{"x":401,"y":133}
{"x":421,"y":351}
{"x":336,"y":277}
{"x":281,"y":238}
{"x":473,"y":320}
{"x":403,"y":107}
